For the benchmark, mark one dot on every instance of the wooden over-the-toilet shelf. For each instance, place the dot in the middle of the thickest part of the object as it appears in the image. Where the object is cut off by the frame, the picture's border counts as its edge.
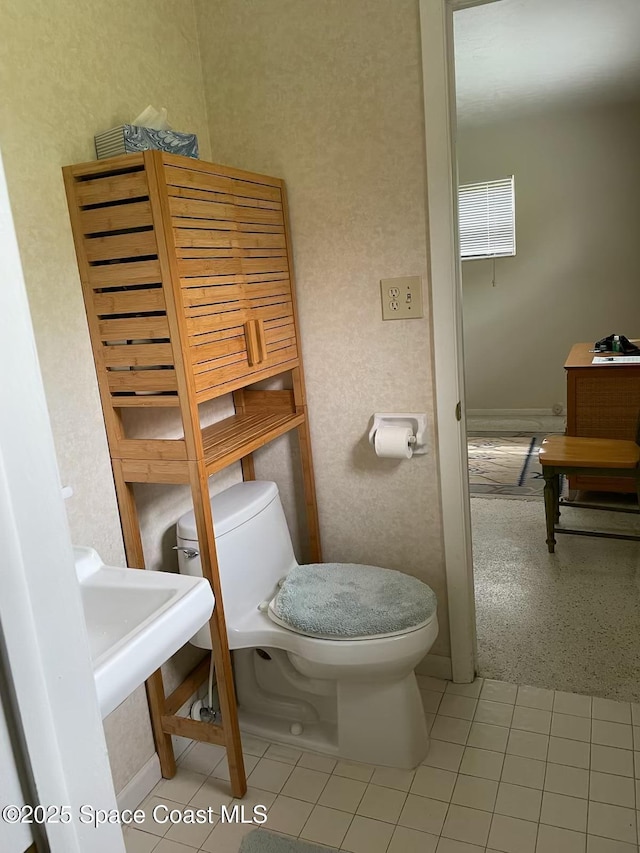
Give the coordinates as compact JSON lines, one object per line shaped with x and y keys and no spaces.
{"x":187,"y":277}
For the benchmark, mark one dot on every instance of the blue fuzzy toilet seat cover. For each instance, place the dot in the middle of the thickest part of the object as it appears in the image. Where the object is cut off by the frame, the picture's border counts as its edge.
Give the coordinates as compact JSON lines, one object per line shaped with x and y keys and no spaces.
{"x":344,"y":601}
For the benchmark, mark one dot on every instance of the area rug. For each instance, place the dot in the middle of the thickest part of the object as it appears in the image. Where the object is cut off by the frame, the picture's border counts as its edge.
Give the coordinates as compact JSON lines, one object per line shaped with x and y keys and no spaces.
{"x":505,"y":465}
{"x":261,"y":841}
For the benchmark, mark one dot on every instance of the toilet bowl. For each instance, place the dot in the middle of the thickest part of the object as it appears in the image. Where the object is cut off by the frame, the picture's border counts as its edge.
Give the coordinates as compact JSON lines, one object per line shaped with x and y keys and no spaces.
{"x":355,"y":697}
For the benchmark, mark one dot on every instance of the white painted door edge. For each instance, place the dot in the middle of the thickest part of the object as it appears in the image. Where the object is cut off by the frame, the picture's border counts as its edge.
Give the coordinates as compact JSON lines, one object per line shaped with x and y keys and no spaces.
{"x":436,"y":29}
{"x":43,"y":632}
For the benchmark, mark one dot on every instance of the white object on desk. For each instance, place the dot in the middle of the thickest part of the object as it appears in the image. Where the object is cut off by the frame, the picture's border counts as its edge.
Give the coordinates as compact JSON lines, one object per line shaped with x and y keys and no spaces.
{"x":616,"y":359}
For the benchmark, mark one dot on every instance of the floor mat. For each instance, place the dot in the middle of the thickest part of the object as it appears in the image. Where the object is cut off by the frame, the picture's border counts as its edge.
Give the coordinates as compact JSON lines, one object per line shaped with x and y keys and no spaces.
{"x":505,"y":465}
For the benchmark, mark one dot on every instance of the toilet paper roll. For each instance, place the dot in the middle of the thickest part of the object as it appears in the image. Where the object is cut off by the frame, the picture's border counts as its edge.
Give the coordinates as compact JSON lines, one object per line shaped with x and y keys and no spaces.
{"x":392,"y":442}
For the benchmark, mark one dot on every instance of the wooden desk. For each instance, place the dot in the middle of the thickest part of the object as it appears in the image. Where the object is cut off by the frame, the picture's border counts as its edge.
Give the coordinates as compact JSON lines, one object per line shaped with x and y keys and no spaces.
{"x":603,"y":401}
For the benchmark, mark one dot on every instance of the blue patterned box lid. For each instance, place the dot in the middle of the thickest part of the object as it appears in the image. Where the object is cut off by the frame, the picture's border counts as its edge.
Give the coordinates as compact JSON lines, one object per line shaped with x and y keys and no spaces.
{"x":128,"y":138}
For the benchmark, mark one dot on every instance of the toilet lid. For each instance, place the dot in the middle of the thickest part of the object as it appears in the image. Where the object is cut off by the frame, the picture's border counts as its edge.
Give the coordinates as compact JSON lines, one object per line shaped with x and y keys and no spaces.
{"x":343,"y":601}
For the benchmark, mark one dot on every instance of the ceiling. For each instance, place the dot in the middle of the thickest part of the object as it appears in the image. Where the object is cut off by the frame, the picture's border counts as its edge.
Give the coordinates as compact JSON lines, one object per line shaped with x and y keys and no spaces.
{"x":514,"y":54}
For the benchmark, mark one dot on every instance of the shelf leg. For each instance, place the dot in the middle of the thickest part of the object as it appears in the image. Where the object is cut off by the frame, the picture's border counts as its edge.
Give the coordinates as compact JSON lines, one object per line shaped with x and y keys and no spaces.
{"x":135,"y":559}
{"x":218,"y":629}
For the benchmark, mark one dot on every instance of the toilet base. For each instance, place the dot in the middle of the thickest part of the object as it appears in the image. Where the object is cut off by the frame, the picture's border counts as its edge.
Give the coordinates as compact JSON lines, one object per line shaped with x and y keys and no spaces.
{"x":379,"y":722}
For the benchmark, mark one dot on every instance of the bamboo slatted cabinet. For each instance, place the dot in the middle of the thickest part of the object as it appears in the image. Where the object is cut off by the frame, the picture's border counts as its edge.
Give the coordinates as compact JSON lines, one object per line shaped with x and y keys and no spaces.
{"x":187,"y":279}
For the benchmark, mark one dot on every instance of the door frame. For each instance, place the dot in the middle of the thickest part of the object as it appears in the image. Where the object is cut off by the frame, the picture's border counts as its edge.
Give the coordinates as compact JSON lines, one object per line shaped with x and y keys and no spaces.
{"x":57,"y":729}
{"x":438,"y":64}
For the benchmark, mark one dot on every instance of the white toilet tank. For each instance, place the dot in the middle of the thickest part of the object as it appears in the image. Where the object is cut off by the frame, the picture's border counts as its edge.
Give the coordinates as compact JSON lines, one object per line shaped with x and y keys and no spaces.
{"x":252,"y":543}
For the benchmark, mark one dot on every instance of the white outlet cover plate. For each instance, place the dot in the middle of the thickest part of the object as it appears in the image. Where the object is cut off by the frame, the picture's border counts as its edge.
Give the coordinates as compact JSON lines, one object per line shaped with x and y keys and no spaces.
{"x":401,"y":297}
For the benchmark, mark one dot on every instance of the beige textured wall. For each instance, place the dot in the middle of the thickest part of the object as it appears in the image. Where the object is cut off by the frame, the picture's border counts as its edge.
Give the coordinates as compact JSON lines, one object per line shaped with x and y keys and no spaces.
{"x":327,"y":94}
{"x":575,"y":274}
{"x":67,"y":71}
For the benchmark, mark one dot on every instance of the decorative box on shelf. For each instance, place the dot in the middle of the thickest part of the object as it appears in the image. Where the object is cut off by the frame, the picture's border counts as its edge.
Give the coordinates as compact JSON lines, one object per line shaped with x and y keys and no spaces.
{"x":128,"y":138}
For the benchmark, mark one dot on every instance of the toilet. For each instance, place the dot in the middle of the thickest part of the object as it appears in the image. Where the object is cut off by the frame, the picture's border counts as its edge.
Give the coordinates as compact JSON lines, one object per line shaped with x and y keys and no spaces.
{"x":322,"y":661}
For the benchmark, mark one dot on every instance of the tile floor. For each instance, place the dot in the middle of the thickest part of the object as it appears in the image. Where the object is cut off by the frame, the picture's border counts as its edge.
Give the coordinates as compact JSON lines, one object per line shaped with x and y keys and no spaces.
{"x":510,"y":769}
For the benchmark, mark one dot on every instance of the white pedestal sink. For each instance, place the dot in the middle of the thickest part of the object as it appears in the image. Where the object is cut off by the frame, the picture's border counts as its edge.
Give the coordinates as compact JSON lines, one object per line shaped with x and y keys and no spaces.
{"x":135,"y":621}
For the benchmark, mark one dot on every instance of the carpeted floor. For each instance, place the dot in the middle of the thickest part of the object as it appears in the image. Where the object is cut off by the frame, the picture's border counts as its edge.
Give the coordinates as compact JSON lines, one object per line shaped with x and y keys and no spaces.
{"x":505,"y":464}
{"x":569,"y":620}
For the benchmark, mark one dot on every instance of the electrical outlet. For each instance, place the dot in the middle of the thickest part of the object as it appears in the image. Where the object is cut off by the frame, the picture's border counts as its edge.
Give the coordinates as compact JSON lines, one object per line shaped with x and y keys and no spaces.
{"x":401,"y":298}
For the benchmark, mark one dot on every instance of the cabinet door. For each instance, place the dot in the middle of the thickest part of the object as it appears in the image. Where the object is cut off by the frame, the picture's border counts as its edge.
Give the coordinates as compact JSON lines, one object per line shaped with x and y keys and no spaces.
{"x":231,"y":251}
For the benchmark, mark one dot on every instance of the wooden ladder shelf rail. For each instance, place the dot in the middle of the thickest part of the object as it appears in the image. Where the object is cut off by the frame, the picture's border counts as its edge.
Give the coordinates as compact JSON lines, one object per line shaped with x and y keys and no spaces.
{"x":187,"y":277}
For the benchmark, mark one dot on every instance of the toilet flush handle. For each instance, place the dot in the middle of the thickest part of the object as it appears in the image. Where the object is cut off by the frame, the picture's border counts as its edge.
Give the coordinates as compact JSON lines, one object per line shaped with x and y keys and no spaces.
{"x":189,"y":553}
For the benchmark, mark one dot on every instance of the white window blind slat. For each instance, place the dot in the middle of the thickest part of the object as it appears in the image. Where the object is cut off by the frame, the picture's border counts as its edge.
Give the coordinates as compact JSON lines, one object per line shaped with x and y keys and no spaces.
{"x":487,"y":219}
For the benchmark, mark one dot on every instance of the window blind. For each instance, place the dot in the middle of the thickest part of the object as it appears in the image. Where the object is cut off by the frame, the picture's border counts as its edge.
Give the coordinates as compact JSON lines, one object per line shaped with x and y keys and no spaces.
{"x":487,"y":219}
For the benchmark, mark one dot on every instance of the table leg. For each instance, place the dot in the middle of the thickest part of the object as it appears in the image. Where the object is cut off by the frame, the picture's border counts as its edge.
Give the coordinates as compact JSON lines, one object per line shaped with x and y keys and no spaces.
{"x":550,"y":508}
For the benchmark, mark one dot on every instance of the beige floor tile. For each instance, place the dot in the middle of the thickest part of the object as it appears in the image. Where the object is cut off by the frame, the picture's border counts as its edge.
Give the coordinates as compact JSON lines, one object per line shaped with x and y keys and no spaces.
{"x":461,"y":707}
{"x":523,"y":771}
{"x":476,"y":793}
{"x":286,"y":754}
{"x":451,"y":729}
{"x":572,"y":781}
{"x":182,"y":787}
{"x":382,"y":803}
{"x":151,"y":825}
{"x":528,"y":744}
{"x":323,"y":763}
{"x":136,"y":841}
{"x":552,"y":839}
{"x":431,"y":701}
{"x":221,"y":770}
{"x":288,"y":815}
{"x":535,"y":697}
{"x":571,"y":752}
{"x":393,"y":777}
{"x":446,"y":756}
{"x":573,"y":728}
{"x":430,"y":720}
{"x":166,"y":846}
{"x":485,"y":736}
{"x":612,"y":822}
{"x":423,"y":814}
{"x":192,"y":834}
{"x":636,"y":737}
{"x":595,"y":844}
{"x":254,"y":797}
{"x":482,"y":762}
{"x":343,"y":794}
{"x":566,"y":812}
{"x":468,"y":825}
{"x":472,"y":690}
{"x":434,"y":783}
{"x":636,"y":761}
{"x":270,"y":775}
{"x":305,"y":784}
{"x":427,"y":682}
{"x":214,"y":794}
{"x":326,"y":826}
{"x":608,"y":709}
{"x":572,"y":703}
{"x":612,"y":734}
{"x":512,"y":835}
{"x":531,"y":720}
{"x":448,"y":845}
{"x":202,"y":758}
{"x":406,"y":840}
{"x":367,"y":836}
{"x":494,"y":713}
{"x":499,"y":691}
{"x":226,"y":837}
{"x":517,"y":801}
{"x":608,"y":759}
{"x":616,"y":790}
{"x":350,"y":770}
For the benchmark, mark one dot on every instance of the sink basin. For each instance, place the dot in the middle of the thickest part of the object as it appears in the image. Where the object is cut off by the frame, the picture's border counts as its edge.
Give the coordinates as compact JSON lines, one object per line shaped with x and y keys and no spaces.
{"x":135,"y":621}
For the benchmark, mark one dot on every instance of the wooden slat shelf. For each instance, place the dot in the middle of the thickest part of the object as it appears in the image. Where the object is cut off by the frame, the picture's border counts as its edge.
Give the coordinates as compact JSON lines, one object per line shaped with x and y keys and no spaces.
{"x":229,"y":440}
{"x":187,"y":277}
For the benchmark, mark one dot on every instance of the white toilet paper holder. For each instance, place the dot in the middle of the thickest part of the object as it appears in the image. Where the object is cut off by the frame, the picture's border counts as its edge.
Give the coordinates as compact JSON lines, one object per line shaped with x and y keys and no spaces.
{"x":416,"y":421}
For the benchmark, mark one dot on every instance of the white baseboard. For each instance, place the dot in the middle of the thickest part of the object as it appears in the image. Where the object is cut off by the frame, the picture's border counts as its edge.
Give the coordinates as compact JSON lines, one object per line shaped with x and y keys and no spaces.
{"x":438,"y":666}
{"x":514,"y":420}
{"x":136,"y":789}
